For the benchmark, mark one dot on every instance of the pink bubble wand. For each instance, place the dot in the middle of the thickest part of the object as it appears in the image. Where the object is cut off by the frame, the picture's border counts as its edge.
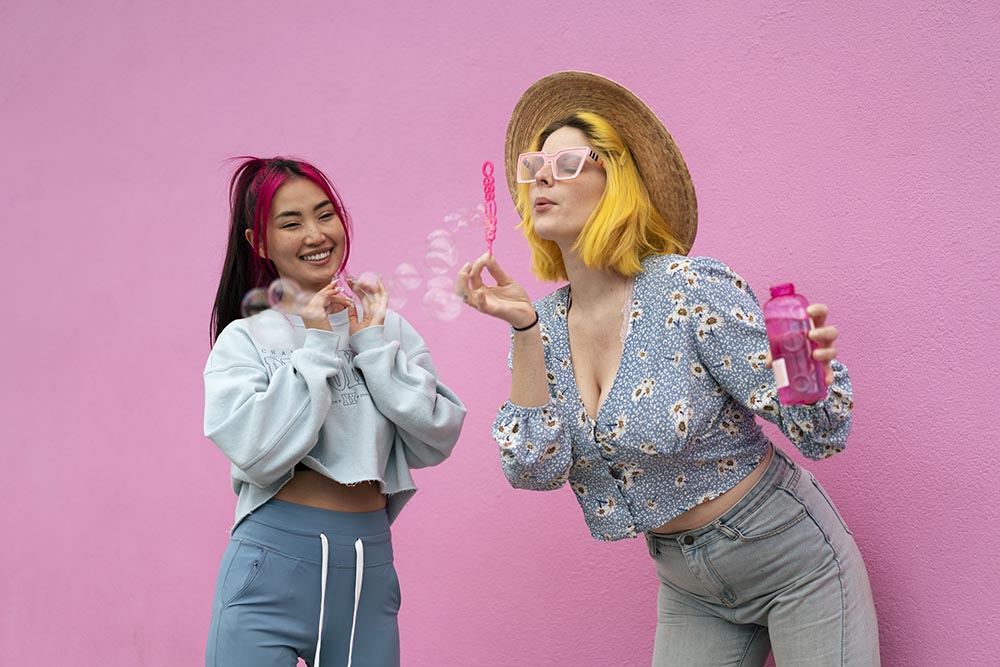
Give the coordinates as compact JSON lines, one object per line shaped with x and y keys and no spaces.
{"x":490,"y":209}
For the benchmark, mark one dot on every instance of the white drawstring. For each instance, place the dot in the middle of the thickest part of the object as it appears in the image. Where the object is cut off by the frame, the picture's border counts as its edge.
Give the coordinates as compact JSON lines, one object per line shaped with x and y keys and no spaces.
{"x":359,"y":549}
{"x":322,"y":596}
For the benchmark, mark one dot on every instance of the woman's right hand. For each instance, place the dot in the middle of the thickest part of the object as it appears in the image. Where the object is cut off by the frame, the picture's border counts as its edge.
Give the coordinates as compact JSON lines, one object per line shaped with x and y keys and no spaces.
{"x":315,"y":314}
{"x":506,"y":300}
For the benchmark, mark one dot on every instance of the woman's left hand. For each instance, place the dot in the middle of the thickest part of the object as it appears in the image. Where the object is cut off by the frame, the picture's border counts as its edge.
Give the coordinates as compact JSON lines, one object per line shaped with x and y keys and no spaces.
{"x":374,"y":304}
{"x":823,"y":335}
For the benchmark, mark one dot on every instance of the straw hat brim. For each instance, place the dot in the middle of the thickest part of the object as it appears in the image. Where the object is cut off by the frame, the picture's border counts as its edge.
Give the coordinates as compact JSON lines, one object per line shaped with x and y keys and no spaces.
{"x":660,"y":162}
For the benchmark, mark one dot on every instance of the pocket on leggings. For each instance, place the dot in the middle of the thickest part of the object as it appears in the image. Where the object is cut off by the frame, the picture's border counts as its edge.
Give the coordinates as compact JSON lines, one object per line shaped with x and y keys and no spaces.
{"x":776,"y":514}
{"x":246,"y":563}
{"x":833,"y":508}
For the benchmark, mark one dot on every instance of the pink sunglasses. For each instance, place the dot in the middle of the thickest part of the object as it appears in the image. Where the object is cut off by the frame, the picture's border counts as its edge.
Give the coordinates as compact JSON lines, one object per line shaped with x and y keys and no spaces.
{"x":566,"y":164}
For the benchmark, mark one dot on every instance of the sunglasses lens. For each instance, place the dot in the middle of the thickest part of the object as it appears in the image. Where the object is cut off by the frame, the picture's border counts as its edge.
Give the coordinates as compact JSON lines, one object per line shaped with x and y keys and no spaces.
{"x":528,"y":166}
{"x":568,"y":164}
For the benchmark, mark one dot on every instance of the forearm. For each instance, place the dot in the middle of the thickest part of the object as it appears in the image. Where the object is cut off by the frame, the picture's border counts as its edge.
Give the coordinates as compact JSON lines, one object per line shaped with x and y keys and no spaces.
{"x":529,"y":382}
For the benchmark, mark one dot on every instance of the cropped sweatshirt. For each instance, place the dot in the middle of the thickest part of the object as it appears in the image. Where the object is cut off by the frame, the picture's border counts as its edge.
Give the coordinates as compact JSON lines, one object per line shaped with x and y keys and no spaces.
{"x":367,"y":407}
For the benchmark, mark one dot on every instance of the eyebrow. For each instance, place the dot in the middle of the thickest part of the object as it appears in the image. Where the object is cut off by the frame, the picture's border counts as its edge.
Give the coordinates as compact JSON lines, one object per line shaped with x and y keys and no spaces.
{"x":317,"y":207}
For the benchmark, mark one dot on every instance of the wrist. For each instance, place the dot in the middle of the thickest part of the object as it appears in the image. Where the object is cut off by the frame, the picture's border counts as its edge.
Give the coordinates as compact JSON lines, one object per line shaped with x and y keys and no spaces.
{"x":526,"y":323}
{"x":323,"y":324}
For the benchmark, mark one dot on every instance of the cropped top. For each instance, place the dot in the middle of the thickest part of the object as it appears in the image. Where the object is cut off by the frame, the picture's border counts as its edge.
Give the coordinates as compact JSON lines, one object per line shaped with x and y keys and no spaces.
{"x":677,"y":427}
{"x":367,"y":407}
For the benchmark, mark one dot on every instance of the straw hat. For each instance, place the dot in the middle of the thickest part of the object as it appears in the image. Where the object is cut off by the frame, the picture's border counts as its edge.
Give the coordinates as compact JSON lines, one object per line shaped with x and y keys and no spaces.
{"x":660,"y":163}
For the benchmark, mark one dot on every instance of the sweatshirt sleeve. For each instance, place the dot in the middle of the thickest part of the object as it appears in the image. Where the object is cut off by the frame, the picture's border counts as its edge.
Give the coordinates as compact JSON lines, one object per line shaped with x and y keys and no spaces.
{"x":404,"y":386}
{"x":265,"y":426}
{"x":726,"y":324}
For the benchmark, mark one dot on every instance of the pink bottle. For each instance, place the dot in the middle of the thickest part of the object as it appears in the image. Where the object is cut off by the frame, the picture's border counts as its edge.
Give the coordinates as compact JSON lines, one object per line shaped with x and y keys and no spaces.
{"x":799,"y":377}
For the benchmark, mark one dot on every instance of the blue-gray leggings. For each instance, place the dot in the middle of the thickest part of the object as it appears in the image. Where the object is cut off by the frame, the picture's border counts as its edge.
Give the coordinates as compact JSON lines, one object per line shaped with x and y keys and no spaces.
{"x":269,"y":601}
{"x":779,"y":570}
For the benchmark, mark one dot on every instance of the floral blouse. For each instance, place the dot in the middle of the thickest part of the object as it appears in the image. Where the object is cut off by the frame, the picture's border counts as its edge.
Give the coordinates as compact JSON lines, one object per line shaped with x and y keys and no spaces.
{"x":677,"y":427}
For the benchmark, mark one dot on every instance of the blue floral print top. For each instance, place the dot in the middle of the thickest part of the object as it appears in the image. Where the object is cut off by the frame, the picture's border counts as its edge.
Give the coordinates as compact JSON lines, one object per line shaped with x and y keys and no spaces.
{"x":677,"y":427}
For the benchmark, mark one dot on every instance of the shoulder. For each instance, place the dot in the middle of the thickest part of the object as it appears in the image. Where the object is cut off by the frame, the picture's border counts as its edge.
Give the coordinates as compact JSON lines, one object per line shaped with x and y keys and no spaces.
{"x":235,"y":344}
{"x":693,"y":276}
{"x":552,"y":304}
{"x":678,"y":267}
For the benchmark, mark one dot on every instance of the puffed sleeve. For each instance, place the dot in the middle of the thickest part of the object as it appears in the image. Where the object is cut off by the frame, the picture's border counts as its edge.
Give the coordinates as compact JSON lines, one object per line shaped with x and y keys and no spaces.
{"x":535,"y":450}
{"x":404,"y":386}
{"x":726,"y":325}
{"x":265,"y":425}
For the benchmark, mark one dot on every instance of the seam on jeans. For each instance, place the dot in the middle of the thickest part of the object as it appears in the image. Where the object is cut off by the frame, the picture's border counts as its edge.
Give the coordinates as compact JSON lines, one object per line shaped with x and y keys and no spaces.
{"x":746,"y":649}
{"x":840,"y":582}
{"x":728,"y":596}
{"x":836,"y":512}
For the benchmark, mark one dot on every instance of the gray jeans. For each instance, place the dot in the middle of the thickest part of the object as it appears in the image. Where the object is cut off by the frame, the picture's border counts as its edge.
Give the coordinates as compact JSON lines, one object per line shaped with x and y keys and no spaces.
{"x":778,"y":571}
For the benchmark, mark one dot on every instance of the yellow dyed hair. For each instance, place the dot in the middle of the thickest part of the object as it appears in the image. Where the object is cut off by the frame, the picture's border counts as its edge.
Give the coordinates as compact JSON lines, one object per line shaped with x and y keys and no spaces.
{"x":624,"y":228}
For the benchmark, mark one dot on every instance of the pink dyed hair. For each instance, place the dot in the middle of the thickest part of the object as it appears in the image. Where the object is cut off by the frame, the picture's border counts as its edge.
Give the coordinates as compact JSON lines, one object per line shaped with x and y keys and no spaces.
{"x":251,"y":192}
{"x":273,"y":174}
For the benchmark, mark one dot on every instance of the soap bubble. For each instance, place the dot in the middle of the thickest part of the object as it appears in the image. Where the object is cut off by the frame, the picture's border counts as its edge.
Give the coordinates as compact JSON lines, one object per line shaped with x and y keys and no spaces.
{"x":285,"y":295}
{"x":441,"y":251}
{"x":408,"y":276}
{"x":455,"y":222}
{"x":255,"y":301}
{"x":440,"y":300}
{"x":467,"y":233}
{"x":368,"y":278}
{"x":397,"y":295}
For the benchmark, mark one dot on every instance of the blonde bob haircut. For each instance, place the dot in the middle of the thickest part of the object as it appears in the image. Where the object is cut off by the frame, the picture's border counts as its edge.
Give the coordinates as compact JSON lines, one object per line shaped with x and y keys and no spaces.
{"x":624,"y":228}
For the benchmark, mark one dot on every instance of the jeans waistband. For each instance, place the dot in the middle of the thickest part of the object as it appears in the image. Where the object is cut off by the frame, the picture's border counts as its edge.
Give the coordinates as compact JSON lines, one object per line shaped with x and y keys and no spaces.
{"x":294,"y":530}
{"x":781,"y":471}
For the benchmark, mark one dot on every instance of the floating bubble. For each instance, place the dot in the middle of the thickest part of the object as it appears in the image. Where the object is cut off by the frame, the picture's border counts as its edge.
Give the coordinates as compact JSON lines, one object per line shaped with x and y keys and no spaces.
{"x":441,"y":251}
{"x":455,"y":222}
{"x":285,"y":295}
{"x":368,"y":278}
{"x":397,"y":295}
{"x":440,"y":300}
{"x":255,"y":301}
{"x":408,"y":276}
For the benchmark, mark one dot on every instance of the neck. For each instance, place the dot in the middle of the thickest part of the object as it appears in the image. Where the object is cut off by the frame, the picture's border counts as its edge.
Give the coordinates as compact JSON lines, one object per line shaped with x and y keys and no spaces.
{"x":593,"y":289}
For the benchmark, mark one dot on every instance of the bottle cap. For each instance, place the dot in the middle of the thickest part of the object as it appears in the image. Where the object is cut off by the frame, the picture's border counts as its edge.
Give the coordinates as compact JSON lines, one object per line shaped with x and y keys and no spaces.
{"x":783,"y":289}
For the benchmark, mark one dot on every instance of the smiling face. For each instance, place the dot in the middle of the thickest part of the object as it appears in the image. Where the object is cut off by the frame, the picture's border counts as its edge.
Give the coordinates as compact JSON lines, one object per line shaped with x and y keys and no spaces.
{"x":560,"y":209}
{"x":305,"y":236}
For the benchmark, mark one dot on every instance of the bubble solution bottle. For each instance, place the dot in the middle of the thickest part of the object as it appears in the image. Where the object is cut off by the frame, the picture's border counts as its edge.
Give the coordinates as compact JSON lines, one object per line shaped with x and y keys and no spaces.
{"x":799,"y":377}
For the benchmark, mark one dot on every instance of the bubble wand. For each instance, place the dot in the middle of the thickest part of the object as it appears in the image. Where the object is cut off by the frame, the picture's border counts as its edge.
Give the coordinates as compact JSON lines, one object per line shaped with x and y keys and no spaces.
{"x":491,"y":206}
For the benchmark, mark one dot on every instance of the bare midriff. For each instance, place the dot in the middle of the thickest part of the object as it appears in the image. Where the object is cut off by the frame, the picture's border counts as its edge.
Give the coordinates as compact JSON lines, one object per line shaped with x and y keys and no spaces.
{"x":707,"y":512}
{"x":308,"y":487}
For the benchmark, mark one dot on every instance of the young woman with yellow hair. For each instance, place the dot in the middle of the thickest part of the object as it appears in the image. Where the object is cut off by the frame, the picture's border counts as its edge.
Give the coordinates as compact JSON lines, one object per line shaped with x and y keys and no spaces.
{"x":639,"y":381}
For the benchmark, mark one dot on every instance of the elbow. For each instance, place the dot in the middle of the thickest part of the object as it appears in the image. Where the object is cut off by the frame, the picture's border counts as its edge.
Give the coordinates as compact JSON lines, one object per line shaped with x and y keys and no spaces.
{"x":427,"y":457}
{"x":259,"y":471}
{"x":521,"y":477}
{"x":260,"y":474}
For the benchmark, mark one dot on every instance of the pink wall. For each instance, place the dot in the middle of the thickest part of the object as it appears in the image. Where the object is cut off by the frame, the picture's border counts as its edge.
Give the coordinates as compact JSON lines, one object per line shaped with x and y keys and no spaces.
{"x":851,"y":148}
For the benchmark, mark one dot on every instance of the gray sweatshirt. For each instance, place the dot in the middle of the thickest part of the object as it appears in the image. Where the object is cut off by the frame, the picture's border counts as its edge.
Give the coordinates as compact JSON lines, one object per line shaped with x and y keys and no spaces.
{"x":366,"y":407}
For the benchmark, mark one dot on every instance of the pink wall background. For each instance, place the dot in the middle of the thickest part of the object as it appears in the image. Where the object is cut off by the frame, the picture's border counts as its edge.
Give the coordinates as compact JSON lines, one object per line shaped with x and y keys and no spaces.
{"x":851,"y":148}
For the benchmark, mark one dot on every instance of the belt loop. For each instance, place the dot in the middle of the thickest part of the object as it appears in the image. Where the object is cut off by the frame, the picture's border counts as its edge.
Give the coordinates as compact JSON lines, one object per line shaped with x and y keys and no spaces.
{"x":651,"y":545}
{"x":728,"y":531}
